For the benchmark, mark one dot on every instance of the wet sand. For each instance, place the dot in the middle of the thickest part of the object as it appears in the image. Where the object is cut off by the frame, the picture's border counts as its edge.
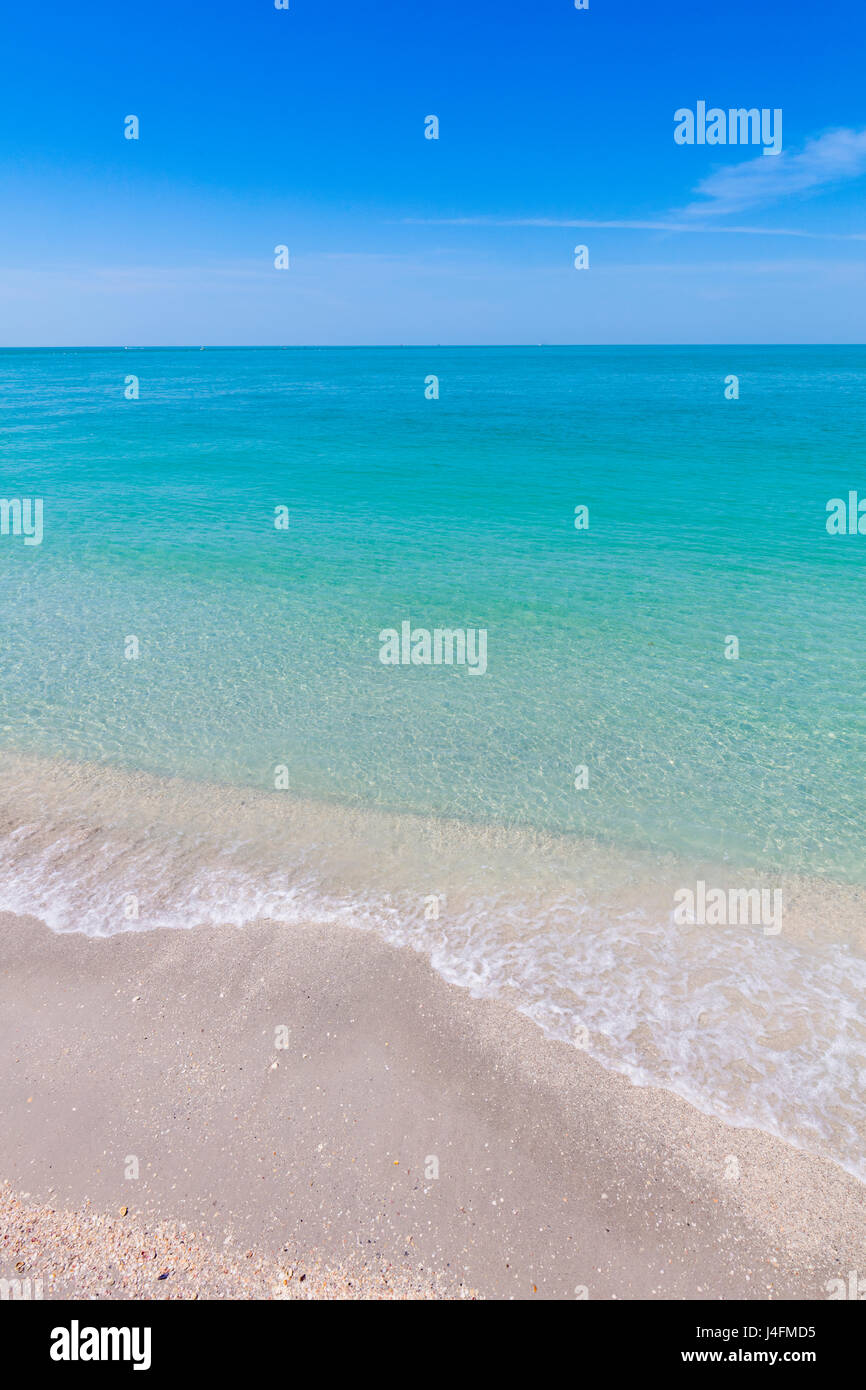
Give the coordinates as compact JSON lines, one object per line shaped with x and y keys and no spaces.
{"x":314,"y":1100}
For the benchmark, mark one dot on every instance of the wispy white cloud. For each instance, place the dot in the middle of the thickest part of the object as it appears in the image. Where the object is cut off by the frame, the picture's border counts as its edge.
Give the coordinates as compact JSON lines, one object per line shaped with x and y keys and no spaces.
{"x":629,"y":224}
{"x":824,"y":161}
{"x":835,"y":157}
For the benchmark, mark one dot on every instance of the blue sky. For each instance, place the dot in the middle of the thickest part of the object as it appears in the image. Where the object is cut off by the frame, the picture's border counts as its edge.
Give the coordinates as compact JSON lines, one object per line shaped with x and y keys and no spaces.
{"x":262,"y":127}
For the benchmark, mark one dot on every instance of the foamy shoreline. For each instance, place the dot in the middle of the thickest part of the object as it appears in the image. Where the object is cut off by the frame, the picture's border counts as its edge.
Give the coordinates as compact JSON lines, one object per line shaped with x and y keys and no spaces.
{"x":554,"y":1174}
{"x":759,"y":1026}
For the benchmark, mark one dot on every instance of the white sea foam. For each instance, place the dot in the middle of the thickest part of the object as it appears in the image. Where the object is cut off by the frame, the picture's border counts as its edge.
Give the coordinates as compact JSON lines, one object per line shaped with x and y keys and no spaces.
{"x":760,"y":1030}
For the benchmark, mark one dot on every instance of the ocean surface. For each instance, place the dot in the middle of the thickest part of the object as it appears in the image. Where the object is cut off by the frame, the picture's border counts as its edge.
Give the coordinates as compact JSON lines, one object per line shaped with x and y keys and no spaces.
{"x":257,"y":759}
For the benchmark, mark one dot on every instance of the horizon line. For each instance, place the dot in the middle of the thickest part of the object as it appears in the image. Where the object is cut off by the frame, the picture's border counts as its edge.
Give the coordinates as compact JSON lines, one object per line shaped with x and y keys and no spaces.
{"x":383,"y":347}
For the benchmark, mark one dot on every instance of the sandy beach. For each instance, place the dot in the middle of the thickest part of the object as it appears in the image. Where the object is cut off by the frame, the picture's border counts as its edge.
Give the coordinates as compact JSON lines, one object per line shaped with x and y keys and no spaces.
{"x":314,"y":1113}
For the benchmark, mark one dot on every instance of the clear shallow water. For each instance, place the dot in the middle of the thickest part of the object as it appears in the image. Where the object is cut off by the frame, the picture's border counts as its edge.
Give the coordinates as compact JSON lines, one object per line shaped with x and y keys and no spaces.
{"x":605,"y":648}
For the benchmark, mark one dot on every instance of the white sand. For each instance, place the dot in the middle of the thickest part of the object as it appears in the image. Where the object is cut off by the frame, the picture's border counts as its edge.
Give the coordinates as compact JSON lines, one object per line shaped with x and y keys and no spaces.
{"x":554,"y":1175}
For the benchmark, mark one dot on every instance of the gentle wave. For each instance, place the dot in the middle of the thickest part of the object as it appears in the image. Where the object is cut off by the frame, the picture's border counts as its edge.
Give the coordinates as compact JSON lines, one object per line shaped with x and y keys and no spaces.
{"x":760,"y":1030}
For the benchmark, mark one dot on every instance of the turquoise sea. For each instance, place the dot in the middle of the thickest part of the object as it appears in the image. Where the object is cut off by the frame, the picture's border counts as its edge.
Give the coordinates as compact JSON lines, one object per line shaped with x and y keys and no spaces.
{"x":437,"y":807}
